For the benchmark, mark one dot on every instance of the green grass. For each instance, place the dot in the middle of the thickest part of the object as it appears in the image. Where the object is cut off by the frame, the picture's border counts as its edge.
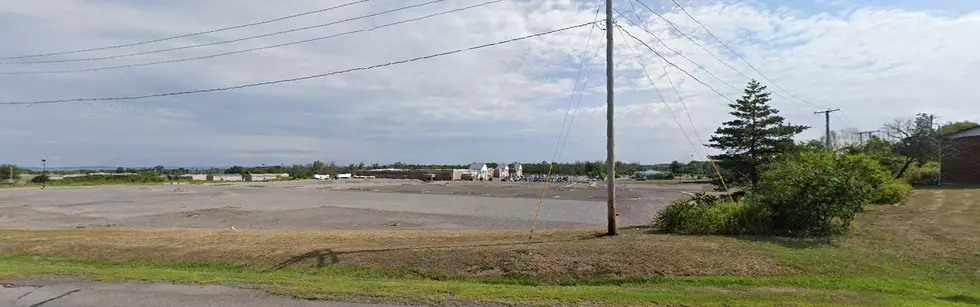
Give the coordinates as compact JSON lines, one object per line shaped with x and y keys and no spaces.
{"x":351,"y":283}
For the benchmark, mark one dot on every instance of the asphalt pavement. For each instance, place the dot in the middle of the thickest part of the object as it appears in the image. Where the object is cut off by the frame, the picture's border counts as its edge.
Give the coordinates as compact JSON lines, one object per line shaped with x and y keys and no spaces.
{"x":66,"y":291}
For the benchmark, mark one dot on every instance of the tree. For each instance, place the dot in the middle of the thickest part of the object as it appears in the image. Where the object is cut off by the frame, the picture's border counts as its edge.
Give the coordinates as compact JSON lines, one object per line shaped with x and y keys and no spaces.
{"x":915,"y":139}
{"x":957,"y":126}
{"x":675,"y":167}
{"x":8,"y":171}
{"x":755,"y":136}
{"x":159,"y":168}
{"x":318,"y":167}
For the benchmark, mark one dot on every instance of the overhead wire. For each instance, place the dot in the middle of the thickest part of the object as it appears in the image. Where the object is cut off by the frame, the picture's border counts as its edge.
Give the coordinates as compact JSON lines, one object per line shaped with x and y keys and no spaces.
{"x":226,"y":41}
{"x":696,"y":43}
{"x":183,"y":35}
{"x":337,"y":72}
{"x":556,"y":153}
{"x":675,"y":65}
{"x":705,"y":70}
{"x":740,"y":56}
{"x":250,"y":49}
{"x":686,"y":110}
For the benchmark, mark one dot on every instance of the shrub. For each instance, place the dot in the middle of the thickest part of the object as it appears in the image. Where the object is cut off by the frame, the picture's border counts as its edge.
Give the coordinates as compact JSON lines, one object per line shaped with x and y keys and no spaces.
{"x":703,"y":214}
{"x":921,"y":174}
{"x":892,"y":192}
{"x":814,"y":194}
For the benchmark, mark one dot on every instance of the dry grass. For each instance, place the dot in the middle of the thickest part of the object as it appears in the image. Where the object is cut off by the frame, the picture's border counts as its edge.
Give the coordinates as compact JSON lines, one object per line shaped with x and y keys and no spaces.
{"x":936,"y":233}
{"x":554,"y":255}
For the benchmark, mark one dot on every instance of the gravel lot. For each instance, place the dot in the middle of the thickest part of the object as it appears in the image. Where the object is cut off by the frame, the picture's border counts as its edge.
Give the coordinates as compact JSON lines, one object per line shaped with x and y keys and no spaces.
{"x":350,"y":204}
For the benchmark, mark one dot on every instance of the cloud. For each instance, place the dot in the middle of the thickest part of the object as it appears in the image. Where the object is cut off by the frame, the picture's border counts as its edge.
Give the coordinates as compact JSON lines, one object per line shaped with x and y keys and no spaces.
{"x":499,"y":103}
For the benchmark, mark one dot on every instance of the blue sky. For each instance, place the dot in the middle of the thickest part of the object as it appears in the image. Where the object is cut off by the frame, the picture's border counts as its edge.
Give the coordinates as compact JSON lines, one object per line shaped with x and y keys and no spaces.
{"x":877,"y":60}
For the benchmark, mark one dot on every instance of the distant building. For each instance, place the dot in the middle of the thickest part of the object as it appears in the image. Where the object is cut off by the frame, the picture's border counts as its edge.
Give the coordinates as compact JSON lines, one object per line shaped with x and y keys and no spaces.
{"x":265,"y":177}
{"x":196,"y":177}
{"x":479,"y":171}
{"x":419,"y":174}
{"x":321,"y":177}
{"x":960,"y":161}
{"x":517,"y":170}
{"x":344,"y":176}
{"x":501,"y":171}
{"x":226,"y":177}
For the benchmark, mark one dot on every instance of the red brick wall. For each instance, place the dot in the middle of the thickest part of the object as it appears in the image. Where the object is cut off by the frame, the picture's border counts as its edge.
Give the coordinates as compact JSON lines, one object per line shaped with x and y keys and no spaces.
{"x":961,"y":160}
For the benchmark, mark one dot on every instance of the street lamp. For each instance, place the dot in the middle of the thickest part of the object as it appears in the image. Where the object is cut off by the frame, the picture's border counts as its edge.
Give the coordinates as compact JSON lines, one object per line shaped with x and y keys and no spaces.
{"x":44,"y":174}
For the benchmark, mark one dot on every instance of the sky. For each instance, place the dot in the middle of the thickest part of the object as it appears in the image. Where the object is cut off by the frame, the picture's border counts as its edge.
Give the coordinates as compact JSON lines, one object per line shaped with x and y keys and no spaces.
{"x":876,"y":60}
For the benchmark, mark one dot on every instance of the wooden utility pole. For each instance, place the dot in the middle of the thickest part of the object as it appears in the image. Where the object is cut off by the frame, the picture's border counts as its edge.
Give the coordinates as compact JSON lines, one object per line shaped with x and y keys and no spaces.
{"x":826,"y":114}
{"x":869,"y":133}
{"x":610,"y":136}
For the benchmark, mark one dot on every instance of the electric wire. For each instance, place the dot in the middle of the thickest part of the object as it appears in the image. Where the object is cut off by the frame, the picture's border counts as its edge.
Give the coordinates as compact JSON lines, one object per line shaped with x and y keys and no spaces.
{"x":740,"y":56}
{"x":687,"y":111}
{"x":362,"y":68}
{"x":556,"y":152}
{"x":226,"y":41}
{"x":249,"y":49}
{"x":677,"y":52}
{"x":696,"y":43}
{"x":183,"y":35}
{"x":674,"y":65}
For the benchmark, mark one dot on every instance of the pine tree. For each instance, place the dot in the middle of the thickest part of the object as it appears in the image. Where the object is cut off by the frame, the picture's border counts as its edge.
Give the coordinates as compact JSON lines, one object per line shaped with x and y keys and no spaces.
{"x":755,"y":136}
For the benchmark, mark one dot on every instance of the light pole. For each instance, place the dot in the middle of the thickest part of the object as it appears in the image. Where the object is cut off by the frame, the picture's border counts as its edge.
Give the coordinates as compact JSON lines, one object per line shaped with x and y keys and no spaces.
{"x":44,"y":173}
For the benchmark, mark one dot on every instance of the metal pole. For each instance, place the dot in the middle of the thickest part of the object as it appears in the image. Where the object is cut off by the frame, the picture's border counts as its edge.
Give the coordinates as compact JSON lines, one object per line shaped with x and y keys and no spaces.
{"x":610,"y":136}
{"x":44,"y":174}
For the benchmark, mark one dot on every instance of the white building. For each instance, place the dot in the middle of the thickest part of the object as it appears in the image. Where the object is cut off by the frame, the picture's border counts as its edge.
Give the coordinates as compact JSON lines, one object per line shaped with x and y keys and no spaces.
{"x":265,"y":177}
{"x":226,"y":177}
{"x":200,"y":177}
{"x":479,"y":171}
{"x":501,"y":171}
{"x":517,"y":170}
{"x":321,"y":177}
{"x":344,"y":176}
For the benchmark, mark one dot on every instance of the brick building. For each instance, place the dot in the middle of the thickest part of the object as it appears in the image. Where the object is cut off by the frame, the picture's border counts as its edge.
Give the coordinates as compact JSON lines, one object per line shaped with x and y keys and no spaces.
{"x":961,"y":156}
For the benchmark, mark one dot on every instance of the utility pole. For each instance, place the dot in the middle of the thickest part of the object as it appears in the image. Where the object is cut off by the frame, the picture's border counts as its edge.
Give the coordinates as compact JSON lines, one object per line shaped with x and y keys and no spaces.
{"x":869,"y":133}
{"x":610,"y":136}
{"x":11,"y":175}
{"x":44,"y":174}
{"x":827,"y":116}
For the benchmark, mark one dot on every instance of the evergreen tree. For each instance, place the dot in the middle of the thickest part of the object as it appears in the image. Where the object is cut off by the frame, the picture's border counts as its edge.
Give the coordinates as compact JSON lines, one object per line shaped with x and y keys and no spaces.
{"x":755,"y":136}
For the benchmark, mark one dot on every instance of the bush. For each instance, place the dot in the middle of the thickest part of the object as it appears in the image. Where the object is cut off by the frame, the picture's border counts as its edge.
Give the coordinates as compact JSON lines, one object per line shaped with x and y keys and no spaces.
{"x":805,"y":194}
{"x":815,"y":194}
{"x":921,"y":174}
{"x":704,"y":214}
{"x":892,"y":192}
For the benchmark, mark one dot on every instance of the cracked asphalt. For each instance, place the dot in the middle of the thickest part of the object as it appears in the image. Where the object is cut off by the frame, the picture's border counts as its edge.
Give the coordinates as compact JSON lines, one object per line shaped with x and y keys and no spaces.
{"x":66,"y":291}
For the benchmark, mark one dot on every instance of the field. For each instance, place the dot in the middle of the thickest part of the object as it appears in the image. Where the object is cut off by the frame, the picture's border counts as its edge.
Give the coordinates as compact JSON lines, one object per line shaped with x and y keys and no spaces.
{"x":923,"y":253}
{"x":310,"y":204}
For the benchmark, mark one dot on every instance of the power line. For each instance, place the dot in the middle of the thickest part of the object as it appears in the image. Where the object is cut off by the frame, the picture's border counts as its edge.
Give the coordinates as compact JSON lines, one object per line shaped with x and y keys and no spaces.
{"x":246,"y":50}
{"x":740,"y":56}
{"x":675,"y":65}
{"x":695,"y":42}
{"x":227,"y":41}
{"x":578,"y":103}
{"x":362,"y":68}
{"x":556,"y":153}
{"x":659,"y":94}
{"x":184,"y":35}
{"x":688,"y":37}
{"x":677,"y":52}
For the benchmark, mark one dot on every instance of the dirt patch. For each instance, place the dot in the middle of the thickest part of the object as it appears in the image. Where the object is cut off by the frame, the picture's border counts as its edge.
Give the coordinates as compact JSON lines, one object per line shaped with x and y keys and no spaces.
{"x":225,"y":193}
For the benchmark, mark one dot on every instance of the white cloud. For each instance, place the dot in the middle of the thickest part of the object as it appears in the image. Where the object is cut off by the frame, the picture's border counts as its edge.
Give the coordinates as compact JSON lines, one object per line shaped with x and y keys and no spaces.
{"x":496,"y":104}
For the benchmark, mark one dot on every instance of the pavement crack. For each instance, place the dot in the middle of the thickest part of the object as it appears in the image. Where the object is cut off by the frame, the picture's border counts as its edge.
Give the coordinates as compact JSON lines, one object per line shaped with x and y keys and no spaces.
{"x":54,"y":298}
{"x":26,"y":294}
